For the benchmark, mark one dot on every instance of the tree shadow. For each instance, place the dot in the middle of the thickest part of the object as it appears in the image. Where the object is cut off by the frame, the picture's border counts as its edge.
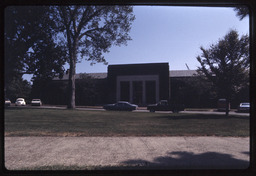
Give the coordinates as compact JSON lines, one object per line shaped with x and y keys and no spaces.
{"x":246,"y":153}
{"x":189,"y":160}
{"x":173,"y":161}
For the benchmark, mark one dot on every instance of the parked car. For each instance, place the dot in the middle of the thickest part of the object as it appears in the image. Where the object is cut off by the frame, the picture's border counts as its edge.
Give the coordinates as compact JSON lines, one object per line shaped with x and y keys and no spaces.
{"x":121,"y":106}
{"x":7,"y":102}
{"x":222,"y":105}
{"x":36,"y":102}
{"x":164,"y":105}
{"x":243,"y":107}
{"x":20,"y":102}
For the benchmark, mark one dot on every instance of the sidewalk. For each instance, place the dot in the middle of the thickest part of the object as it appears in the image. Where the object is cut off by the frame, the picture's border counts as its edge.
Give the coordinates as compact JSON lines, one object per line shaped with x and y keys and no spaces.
{"x":169,"y":152}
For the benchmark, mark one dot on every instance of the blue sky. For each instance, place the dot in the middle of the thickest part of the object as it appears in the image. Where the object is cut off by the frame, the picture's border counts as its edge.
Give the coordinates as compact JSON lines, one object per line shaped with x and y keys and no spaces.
{"x":171,"y":34}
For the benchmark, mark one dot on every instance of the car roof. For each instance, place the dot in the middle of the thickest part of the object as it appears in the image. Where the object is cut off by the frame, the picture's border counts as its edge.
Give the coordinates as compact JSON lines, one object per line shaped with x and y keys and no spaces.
{"x":122,"y":102}
{"x":20,"y":98}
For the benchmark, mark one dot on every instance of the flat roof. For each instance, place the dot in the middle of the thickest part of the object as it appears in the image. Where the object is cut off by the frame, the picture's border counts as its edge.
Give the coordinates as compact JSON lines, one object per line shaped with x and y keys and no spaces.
{"x":103,"y":75}
{"x":182,"y":73}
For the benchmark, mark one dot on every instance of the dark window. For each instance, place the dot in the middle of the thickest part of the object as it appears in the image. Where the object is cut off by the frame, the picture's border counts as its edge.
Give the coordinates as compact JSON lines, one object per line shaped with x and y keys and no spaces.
{"x":124,"y":91}
{"x":150,"y":92}
{"x":137,"y":92}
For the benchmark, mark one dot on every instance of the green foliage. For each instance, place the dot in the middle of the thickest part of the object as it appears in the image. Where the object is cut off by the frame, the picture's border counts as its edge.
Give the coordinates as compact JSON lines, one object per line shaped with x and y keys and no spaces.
{"x":90,"y":31}
{"x":30,"y":49}
{"x":18,"y":88}
{"x":29,"y":44}
{"x":41,"y":44}
{"x":86,"y":91}
{"x":50,"y":92}
{"x":226,"y":64}
{"x":242,"y":12}
{"x":194,"y":92}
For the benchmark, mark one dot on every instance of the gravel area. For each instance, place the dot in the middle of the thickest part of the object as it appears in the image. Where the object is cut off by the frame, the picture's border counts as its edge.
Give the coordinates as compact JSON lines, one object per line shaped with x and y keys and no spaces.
{"x":169,"y":152}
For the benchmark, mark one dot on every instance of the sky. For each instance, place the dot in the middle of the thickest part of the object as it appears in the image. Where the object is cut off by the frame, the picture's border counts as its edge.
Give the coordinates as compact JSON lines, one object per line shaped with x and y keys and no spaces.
{"x":170,"y":34}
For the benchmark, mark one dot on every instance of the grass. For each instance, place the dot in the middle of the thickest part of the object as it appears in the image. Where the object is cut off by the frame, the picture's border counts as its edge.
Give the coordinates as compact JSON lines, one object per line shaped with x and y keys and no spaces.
{"x":54,"y":122}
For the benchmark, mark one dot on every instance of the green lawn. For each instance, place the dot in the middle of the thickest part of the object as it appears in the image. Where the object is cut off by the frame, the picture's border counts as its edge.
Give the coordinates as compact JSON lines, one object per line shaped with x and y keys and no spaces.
{"x":54,"y":122}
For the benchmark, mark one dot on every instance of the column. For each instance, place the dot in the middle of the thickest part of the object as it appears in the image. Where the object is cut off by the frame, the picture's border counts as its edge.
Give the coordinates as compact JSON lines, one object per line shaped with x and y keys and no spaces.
{"x":131,"y":93}
{"x":157,"y":89}
{"x":118,"y":90}
{"x":144,"y":92}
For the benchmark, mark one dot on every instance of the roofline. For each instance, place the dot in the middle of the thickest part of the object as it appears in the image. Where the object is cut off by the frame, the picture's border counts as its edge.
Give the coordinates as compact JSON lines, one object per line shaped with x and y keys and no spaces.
{"x":105,"y":76}
{"x":141,"y":63}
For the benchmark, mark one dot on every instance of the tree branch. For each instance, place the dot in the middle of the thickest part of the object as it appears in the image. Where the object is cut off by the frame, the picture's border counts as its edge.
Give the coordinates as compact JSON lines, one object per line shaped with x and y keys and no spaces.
{"x":84,"y":21}
{"x":73,"y":19}
{"x":88,"y":32}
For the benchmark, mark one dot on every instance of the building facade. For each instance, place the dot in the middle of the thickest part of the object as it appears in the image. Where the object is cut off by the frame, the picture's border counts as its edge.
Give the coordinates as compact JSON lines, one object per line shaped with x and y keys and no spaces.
{"x":140,"y":84}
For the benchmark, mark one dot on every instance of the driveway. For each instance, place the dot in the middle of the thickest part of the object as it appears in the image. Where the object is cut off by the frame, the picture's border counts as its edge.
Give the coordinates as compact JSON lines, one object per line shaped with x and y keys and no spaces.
{"x":137,"y":152}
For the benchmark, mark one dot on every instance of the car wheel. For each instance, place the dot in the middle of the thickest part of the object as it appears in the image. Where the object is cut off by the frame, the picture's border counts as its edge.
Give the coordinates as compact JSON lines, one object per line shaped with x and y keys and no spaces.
{"x":152,"y":110}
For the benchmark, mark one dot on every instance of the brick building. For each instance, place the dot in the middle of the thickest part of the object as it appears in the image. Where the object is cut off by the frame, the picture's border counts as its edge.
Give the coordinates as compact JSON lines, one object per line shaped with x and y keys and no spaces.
{"x":140,"y":84}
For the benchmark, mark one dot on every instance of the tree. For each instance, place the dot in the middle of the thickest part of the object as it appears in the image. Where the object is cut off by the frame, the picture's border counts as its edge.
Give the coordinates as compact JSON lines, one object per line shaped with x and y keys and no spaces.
{"x":29,"y":44}
{"x":242,"y":12}
{"x":18,"y":88}
{"x":226,"y":65}
{"x":89,"y":31}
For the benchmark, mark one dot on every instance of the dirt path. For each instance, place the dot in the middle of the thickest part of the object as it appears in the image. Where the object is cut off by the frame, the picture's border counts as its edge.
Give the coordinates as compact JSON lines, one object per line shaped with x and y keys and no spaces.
{"x":171,"y":152}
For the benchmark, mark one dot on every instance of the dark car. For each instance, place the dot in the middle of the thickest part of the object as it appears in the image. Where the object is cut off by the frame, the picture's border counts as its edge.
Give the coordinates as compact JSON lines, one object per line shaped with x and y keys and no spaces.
{"x":222,"y":104}
{"x":164,"y":105}
{"x":243,"y":107}
{"x":121,"y":106}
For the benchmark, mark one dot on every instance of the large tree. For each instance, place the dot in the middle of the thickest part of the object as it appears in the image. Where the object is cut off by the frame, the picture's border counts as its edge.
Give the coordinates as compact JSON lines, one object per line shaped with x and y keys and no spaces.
{"x":90,"y":31}
{"x":30,"y":47}
{"x":226,"y":64}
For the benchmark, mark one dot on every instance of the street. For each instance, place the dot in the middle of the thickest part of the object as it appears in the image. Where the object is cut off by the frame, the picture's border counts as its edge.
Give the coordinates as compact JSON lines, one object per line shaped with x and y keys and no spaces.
{"x":140,"y":109}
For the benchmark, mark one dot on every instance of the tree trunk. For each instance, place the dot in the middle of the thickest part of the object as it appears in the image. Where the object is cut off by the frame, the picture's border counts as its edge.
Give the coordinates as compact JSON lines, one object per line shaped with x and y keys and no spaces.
{"x":72,"y":84}
{"x":227,"y":106}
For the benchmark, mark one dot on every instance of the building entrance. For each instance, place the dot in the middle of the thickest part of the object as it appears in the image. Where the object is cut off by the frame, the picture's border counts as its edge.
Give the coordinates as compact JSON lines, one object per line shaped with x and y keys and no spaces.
{"x":125,"y":91}
{"x":150,"y":92}
{"x":141,"y":84}
{"x":137,"y":92}
{"x":138,"y":89}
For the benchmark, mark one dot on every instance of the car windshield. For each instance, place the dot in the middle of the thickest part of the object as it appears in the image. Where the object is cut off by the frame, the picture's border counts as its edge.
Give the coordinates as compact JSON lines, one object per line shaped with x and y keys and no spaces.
{"x":243,"y":104}
{"x":35,"y":100}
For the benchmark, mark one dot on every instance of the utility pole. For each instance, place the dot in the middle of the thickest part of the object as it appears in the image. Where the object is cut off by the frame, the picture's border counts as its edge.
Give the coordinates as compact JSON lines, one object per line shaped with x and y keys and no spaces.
{"x":187,"y":66}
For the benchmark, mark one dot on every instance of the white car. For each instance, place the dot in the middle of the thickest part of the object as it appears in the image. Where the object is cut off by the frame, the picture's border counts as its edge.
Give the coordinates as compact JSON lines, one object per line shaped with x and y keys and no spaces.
{"x":20,"y":102}
{"x":243,"y":107}
{"x":7,"y":102}
{"x":36,"y":102}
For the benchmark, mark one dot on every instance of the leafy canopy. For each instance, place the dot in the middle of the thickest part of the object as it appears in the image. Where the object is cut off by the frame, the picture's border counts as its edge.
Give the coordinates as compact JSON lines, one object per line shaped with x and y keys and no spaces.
{"x":92,"y":30}
{"x":29,"y":43}
{"x":226,"y":64}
